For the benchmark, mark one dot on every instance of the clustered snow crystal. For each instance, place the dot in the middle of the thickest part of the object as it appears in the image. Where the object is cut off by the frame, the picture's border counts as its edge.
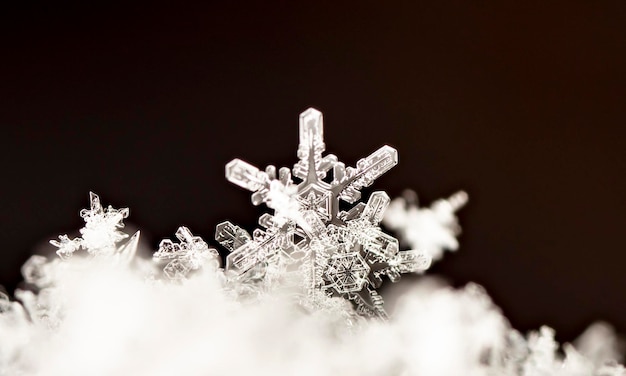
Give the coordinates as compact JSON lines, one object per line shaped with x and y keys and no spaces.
{"x":296,"y":297}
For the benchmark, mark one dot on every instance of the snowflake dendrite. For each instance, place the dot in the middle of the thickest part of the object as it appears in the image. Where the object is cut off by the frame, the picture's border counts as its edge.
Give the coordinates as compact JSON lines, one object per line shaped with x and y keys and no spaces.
{"x":189,"y":255}
{"x":308,"y":238}
{"x":102,"y":234}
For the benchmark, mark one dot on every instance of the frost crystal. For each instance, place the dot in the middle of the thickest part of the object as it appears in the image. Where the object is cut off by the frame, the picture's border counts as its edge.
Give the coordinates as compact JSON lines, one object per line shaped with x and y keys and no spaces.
{"x":190,"y":254}
{"x":101,"y":231}
{"x":101,"y":235}
{"x":338,"y":253}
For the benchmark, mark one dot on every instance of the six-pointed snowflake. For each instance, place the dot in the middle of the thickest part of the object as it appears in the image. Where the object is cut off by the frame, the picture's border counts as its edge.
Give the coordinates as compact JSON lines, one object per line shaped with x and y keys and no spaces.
{"x":339,"y":253}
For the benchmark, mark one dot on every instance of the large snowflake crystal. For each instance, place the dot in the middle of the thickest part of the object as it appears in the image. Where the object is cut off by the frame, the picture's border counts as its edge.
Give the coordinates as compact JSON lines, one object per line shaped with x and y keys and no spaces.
{"x":308,"y":239}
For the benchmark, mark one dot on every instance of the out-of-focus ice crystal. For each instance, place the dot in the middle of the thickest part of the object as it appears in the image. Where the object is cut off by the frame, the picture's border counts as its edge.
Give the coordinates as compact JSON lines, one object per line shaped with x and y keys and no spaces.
{"x":432,"y":230}
{"x":601,"y":344}
{"x":66,"y":246}
{"x":77,"y":316}
{"x":337,"y":253}
{"x":36,"y":271}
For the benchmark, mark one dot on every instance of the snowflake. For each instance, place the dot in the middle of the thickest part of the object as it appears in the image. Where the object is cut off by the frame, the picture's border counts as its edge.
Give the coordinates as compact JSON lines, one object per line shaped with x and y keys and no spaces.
{"x":339,"y":253}
{"x":66,"y":246}
{"x":101,"y":235}
{"x":189,"y":255}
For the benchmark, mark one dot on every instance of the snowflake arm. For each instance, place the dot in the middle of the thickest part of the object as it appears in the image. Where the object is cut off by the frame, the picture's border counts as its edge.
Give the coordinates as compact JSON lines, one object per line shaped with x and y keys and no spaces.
{"x":312,"y":166}
{"x":349,"y":181}
{"x":249,"y":177}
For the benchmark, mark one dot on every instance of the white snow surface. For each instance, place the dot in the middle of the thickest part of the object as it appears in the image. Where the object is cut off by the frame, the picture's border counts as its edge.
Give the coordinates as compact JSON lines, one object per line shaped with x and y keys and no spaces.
{"x":117,"y":319}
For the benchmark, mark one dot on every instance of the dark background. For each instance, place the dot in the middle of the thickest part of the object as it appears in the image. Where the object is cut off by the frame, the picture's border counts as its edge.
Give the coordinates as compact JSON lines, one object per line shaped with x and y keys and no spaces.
{"x":521,"y":105}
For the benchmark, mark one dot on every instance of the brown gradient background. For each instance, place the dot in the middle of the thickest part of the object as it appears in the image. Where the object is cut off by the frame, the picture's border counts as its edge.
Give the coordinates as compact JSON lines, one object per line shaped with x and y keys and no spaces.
{"x":520,"y":104}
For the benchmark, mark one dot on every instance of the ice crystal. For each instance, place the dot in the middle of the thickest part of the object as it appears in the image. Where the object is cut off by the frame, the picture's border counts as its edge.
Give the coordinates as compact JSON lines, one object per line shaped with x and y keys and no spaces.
{"x":66,"y":246}
{"x":101,"y":235}
{"x":341,"y":253}
{"x":101,"y":232}
{"x":189,"y":255}
{"x":432,"y":230}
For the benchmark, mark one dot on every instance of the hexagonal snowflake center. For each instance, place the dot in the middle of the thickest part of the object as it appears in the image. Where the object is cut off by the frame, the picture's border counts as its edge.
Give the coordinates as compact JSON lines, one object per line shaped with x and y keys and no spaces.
{"x":317,"y":199}
{"x":348,"y":272}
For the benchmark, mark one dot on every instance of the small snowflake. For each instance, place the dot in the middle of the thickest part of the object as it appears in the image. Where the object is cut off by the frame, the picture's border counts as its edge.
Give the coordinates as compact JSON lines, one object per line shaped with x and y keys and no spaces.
{"x":191,"y":254}
{"x":66,"y":246}
{"x":101,"y":235}
{"x":101,"y":232}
